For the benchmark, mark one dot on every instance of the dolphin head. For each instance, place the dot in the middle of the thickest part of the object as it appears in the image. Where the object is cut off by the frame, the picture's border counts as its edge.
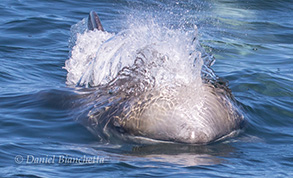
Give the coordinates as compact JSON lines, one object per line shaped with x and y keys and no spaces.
{"x":181,"y":115}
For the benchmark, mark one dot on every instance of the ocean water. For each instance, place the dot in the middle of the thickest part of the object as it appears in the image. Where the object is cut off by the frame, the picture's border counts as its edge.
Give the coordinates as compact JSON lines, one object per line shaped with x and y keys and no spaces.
{"x":252,"y":42}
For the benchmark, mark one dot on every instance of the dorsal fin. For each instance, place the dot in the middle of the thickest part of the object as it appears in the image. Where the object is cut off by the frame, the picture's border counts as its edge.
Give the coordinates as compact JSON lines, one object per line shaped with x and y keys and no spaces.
{"x":94,"y":22}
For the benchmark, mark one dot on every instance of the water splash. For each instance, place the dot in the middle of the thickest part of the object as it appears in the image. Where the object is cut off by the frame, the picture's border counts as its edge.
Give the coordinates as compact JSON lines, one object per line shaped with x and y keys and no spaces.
{"x":168,"y":55}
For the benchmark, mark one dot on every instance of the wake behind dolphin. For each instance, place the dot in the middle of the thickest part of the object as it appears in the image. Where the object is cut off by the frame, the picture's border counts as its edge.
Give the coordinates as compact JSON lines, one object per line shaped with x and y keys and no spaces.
{"x":149,"y":83}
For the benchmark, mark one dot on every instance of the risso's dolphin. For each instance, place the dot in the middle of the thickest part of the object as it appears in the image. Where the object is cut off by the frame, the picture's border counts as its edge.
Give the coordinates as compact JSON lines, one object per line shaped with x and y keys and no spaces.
{"x":133,"y":106}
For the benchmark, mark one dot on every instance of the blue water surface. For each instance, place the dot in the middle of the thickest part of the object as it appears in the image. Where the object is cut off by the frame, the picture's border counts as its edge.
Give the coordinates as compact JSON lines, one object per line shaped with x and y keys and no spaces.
{"x":252,"y":42}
